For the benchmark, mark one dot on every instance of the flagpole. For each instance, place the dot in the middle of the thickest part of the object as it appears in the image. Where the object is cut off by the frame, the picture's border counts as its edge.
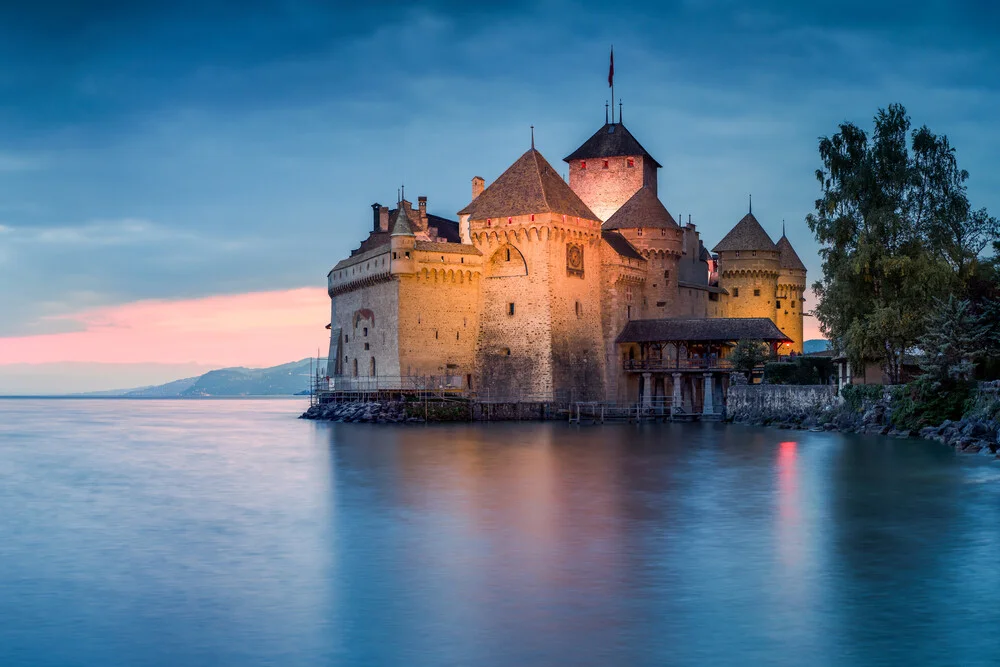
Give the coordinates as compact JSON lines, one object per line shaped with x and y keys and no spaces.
{"x":612,"y":84}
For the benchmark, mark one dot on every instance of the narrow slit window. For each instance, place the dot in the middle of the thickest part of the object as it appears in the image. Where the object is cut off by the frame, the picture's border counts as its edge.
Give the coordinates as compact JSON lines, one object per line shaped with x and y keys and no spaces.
{"x":510,"y":308}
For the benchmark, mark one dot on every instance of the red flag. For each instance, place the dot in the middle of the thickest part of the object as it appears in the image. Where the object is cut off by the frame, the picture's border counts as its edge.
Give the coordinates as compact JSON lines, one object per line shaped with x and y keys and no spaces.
{"x":611,"y":71}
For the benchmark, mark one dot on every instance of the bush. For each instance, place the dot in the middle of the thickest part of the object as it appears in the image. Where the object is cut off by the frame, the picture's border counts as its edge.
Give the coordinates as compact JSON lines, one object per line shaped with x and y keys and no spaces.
{"x":857,"y":395}
{"x":925,"y":402}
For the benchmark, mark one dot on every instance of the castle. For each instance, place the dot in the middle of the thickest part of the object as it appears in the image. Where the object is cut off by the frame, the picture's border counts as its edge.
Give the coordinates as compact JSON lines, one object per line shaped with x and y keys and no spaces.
{"x":548,"y":290}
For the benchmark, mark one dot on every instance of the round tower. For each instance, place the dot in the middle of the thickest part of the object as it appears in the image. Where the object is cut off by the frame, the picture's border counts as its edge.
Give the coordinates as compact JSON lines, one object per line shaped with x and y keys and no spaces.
{"x":790,"y":295}
{"x":749,"y":267}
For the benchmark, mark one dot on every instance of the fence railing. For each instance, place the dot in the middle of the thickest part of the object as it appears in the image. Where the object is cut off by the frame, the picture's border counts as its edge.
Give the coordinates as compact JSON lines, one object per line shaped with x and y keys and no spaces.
{"x":676,"y":364}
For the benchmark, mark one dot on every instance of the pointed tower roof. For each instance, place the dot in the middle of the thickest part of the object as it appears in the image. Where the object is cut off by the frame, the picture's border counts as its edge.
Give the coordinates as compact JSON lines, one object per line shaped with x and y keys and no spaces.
{"x":643,"y":209}
{"x":612,"y":140}
{"x":402,"y":226}
{"x":530,"y":185}
{"x":787,"y":256}
{"x":746,"y":235}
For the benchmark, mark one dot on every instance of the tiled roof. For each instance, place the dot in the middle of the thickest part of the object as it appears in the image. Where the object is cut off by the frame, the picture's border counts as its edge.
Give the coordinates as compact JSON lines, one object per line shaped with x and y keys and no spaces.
{"x":722,"y":329}
{"x":438,"y":246}
{"x":643,"y":209}
{"x":401,"y":225}
{"x":621,"y":245}
{"x":746,"y":235}
{"x":788,"y":258}
{"x":612,"y":140}
{"x":530,"y":185}
{"x":447,"y":229}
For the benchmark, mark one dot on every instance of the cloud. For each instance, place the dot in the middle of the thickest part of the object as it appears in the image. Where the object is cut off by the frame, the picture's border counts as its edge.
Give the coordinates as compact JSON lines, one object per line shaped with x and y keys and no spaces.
{"x":255,"y":329}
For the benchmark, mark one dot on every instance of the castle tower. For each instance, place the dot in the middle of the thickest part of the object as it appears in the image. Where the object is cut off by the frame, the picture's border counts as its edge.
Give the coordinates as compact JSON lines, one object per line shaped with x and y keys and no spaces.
{"x":609,"y":168}
{"x":790,"y":296}
{"x":540,"y":315}
{"x":645,"y":222}
{"x":748,"y":269}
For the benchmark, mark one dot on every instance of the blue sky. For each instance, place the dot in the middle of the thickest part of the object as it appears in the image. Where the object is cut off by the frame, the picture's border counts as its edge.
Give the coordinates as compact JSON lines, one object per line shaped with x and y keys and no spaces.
{"x":176,"y":150}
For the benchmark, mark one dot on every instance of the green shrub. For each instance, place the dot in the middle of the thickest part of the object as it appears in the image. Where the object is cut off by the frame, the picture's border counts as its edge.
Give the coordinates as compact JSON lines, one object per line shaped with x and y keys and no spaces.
{"x":856,"y":395}
{"x":925,"y":402}
{"x":780,"y":372}
{"x":800,"y":370}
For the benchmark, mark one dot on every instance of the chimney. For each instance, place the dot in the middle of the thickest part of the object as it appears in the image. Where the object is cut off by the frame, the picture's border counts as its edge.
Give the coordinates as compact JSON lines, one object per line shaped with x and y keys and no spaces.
{"x":478,"y":184}
{"x":375,"y":216}
{"x":422,"y":207}
{"x":383,"y":218}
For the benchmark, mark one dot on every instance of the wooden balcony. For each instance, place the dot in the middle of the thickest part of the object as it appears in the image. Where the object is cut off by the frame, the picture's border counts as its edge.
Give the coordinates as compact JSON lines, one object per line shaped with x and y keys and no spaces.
{"x":677,"y":365}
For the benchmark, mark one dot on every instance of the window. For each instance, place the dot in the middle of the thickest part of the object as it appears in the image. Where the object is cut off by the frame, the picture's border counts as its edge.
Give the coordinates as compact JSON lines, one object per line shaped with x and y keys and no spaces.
{"x":663,"y":231}
{"x":777,"y":304}
{"x":638,"y":232}
{"x":407,"y":254}
{"x":628,"y":312}
{"x":666,"y":275}
{"x":756,"y":292}
{"x":630,"y":162}
{"x":753,"y":253}
{"x":394,"y":255}
{"x":507,"y":351}
{"x":583,"y":164}
{"x":579,"y":309}
{"x":365,"y":329}
{"x":371,"y":367}
{"x":355,"y":369}
{"x":346,"y":338}
{"x":508,"y":254}
{"x":605,"y":164}
{"x":736,"y":291}
{"x":456,"y":335}
{"x":793,"y":304}
{"x":510,"y":308}
{"x":737,"y":253}
{"x":366,"y":346}
{"x":435,"y":334}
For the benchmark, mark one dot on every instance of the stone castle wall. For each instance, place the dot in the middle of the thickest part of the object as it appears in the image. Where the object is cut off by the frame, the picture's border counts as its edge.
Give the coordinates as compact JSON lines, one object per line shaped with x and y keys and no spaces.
{"x":368,"y":315}
{"x":790,"y":298}
{"x":751,"y":283}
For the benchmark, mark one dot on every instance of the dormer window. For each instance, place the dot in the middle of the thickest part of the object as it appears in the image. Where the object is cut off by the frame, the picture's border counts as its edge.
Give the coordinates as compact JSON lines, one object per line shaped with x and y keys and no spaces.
{"x":583,"y":164}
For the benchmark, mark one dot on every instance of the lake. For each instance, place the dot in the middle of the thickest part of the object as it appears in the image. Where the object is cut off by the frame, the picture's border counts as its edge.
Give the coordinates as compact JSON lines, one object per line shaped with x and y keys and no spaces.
{"x":227,"y":532}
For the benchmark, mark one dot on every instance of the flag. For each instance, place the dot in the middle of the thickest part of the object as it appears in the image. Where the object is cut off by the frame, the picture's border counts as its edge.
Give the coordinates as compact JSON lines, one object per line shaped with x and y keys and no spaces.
{"x":611,"y":70}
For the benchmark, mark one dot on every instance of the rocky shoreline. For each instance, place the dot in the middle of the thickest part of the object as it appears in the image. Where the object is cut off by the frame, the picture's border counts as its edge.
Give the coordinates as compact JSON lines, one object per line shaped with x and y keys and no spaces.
{"x":390,"y":412}
{"x":970,"y":435}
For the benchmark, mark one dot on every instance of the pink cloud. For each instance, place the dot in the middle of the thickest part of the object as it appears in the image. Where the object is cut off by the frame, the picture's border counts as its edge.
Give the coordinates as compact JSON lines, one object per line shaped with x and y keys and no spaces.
{"x":255,"y":329}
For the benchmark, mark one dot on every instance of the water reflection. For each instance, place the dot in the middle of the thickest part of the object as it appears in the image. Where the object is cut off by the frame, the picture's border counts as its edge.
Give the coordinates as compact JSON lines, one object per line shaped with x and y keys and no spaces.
{"x":229,"y":533}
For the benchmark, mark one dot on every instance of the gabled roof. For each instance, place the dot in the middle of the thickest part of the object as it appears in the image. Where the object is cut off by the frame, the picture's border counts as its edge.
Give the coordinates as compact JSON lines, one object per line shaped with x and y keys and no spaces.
{"x":612,"y":140}
{"x":787,"y":257}
{"x":716,"y":329}
{"x":621,"y":245}
{"x":530,"y":185}
{"x":643,"y":209}
{"x":746,"y":235}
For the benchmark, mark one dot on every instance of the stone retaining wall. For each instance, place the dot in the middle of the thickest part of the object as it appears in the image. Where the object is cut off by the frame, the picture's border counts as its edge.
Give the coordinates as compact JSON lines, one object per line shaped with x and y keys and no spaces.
{"x":766,"y":403}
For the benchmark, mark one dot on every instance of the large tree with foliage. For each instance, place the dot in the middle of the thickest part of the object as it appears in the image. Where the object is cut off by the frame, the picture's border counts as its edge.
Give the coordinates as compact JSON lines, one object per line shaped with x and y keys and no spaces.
{"x":896,"y":230}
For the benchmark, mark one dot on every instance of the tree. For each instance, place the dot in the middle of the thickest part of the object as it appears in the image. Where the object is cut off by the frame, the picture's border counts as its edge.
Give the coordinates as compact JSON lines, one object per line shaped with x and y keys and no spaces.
{"x":952,"y":342}
{"x":748,"y":355}
{"x":896,"y":231}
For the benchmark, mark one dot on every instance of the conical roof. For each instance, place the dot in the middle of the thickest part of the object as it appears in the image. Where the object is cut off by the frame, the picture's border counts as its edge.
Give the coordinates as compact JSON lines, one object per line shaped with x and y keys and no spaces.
{"x":643,"y":209}
{"x":530,"y":185}
{"x":746,"y":235}
{"x":787,"y":257}
{"x":612,"y":140}
{"x":402,"y":226}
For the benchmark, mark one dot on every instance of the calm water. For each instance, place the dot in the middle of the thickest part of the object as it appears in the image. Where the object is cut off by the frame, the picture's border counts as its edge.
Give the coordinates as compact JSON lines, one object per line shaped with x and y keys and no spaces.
{"x":229,"y":533}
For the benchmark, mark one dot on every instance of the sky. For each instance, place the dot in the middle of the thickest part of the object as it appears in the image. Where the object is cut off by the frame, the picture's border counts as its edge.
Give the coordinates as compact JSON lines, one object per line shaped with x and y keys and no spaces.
{"x":177,"y":177}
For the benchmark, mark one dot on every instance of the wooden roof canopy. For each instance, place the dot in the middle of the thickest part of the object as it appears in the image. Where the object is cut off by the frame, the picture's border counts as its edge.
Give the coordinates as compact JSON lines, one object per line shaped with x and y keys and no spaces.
{"x":715,"y":330}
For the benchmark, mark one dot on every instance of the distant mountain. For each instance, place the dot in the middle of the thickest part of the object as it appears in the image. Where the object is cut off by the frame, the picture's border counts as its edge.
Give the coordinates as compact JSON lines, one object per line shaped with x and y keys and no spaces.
{"x":283,"y":380}
{"x":816,"y":345}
